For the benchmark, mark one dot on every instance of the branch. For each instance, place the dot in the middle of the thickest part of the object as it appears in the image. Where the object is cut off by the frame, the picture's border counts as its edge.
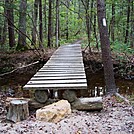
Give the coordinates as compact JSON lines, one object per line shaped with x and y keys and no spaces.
{"x":7,"y":73}
{"x":70,"y":9}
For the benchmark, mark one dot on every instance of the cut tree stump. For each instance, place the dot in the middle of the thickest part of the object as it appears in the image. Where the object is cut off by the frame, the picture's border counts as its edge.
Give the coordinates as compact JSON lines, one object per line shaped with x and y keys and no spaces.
{"x":88,"y":104}
{"x":18,"y":110}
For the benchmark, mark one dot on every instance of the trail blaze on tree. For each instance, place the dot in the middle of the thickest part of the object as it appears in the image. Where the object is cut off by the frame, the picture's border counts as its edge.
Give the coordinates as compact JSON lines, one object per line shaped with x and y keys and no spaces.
{"x":105,"y":46}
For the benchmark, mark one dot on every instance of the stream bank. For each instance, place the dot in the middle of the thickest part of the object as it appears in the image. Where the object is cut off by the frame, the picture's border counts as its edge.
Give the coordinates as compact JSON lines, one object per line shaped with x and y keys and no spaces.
{"x":93,"y":68}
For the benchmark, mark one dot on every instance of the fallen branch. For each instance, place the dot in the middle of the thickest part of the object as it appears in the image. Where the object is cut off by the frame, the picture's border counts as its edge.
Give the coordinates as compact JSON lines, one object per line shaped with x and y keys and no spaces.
{"x":7,"y":73}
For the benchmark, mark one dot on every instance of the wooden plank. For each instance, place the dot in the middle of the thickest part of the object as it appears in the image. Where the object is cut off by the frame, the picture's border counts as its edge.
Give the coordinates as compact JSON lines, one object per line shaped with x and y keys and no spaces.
{"x":57,"y":81}
{"x":58,"y":86}
{"x":54,"y":75}
{"x":64,"y":64}
{"x":59,"y":73}
{"x":58,"y":78}
{"x":65,"y":70}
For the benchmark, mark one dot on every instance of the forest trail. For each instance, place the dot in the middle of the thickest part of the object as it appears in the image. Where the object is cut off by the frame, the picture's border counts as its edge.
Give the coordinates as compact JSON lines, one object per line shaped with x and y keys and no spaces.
{"x":64,"y":70}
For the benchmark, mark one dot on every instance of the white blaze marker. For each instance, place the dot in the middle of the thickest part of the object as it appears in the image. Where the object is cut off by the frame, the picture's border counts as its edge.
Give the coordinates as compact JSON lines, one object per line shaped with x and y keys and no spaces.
{"x":104,"y":22}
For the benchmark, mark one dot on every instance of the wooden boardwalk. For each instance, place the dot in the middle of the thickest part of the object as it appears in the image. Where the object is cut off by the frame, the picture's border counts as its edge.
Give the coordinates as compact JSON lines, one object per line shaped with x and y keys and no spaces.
{"x":64,"y":70}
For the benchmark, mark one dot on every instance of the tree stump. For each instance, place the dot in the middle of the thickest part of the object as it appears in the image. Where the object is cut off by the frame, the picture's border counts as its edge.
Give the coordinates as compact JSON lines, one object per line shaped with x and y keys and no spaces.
{"x":18,"y":110}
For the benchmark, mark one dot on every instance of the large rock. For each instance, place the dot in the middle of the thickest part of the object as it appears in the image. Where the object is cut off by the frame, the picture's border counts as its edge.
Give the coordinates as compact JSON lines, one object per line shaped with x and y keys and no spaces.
{"x":94,"y":103}
{"x":54,"y":112}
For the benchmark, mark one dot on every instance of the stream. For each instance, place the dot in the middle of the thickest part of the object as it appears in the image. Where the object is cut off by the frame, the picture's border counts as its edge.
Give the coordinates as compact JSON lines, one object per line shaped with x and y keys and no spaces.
{"x":96,"y":84}
{"x":95,"y":81}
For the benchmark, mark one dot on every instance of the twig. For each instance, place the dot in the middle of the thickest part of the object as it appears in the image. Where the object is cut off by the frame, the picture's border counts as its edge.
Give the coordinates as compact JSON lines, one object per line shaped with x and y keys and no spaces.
{"x":7,"y":73}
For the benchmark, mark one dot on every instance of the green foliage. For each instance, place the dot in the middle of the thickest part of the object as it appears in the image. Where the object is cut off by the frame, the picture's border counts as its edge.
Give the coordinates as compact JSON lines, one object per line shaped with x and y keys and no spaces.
{"x":120,"y":47}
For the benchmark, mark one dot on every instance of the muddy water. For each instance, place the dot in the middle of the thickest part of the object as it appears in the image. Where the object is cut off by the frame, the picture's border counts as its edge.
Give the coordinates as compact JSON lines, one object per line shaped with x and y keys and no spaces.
{"x":96,"y":85}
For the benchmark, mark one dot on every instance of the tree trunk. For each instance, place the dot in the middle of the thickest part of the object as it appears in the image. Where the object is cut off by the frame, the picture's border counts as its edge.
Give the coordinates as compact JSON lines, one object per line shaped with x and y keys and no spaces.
{"x":57,"y":23}
{"x":113,"y":22}
{"x":88,"y":20}
{"x":67,"y":21}
{"x":105,"y":46}
{"x":128,"y":21}
{"x":10,"y":19}
{"x":49,"y":44}
{"x":45,"y":18}
{"x":132,"y":25}
{"x":35,"y":16}
{"x":22,"y":25}
{"x":40,"y":25}
{"x":95,"y":33}
{"x":4,"y":28}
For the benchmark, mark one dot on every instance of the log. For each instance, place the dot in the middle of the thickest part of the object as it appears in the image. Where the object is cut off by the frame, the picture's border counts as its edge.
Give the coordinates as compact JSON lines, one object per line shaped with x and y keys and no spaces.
{"x":70,"y":95}
{"x":18,"y":110}
{"x":88,"y":104}
{"x":41,"y":96}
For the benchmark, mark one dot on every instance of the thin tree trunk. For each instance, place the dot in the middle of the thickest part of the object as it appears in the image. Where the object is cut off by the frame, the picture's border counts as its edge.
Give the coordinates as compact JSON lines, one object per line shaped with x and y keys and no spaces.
{"x":67,"y":21}
{"x":22,"y":25}
{"x":128,"y":21}
{"x":95,"y":33}
{"x":88,"y":20}
{"x":4,"y":28}
{"x":113,"y":22}
{"x":10,"y":20}
{"x":105,"y":46}
{"x":132,"y":25}
{"x":57,"y":23}
{"x":45,"y":18}
{"x":35,"y":16}
{"x":40,"y":25}
{"x":49,"y":44}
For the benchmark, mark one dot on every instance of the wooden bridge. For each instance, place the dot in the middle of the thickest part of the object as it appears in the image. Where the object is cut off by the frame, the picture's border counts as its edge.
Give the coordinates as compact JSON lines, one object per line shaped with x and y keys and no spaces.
{"x":64,"y":70}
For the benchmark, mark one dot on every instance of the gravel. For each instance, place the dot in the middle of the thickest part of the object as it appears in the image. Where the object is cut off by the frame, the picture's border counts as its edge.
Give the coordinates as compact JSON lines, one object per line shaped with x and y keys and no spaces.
{"x":115,"y":118}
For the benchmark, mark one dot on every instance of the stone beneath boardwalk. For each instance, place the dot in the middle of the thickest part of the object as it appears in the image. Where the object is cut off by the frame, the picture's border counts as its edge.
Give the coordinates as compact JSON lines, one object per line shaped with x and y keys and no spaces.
{"x":88,"y":104}
{"x":54,"y":112}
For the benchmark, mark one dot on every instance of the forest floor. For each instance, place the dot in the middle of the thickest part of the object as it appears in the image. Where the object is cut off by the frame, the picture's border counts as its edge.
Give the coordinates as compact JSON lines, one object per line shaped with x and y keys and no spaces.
{"x":115,"y":118}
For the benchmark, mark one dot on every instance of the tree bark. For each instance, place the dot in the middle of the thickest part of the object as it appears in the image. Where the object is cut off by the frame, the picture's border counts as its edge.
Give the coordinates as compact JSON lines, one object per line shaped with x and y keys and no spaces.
{"x":57,"y":23}
{"x":22,"y":25}
{"x":105,"y":46}
{"x":128,"y":21}
{"x":35,"y":16}
{"x":95,"y":32}
{"x":45,"y":18}
{"x":67,"y":21}
{"x":4,"y":28}
{"x":88,"y":20}
{"x":18,"y":110}
{"x":132,"y":25}
{"x":49,"y":44}
{"x":40,"y":25}
{"x":10,"y":20}
{"x":113,"y":22}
